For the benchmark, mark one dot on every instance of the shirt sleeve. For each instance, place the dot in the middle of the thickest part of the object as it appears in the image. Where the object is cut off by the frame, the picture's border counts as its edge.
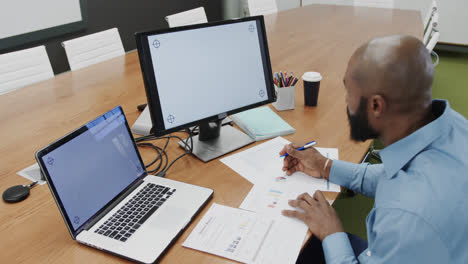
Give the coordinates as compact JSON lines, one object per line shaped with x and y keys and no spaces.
{"x":337,"y":249}
{"x":396,"y":237}
{"x":361,"y":178}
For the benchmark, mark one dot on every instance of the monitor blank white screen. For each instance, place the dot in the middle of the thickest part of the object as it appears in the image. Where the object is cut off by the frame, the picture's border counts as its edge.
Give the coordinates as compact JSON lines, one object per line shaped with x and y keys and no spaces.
{"x":207,"y":71}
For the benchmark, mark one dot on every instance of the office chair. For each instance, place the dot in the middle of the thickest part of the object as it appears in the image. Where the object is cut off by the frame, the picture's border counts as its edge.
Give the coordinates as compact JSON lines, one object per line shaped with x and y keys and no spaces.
{"x":433,"y":22}
{"x":189,"y":17}
{"x":24,"y":67}
{"x":94,"y":48}
{"x":429,"y":14}
{"x":260,"y":7}
{"x":431,"y":44}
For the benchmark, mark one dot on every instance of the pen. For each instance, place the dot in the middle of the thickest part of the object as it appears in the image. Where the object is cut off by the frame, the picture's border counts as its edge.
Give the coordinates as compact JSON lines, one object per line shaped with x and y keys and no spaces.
{"x":294,"y":82}
{"x":308,"y":145}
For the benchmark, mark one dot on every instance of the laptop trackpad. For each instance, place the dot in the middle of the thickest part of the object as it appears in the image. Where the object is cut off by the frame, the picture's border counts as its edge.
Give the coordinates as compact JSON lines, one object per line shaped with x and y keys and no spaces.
{"x":170,"y":218}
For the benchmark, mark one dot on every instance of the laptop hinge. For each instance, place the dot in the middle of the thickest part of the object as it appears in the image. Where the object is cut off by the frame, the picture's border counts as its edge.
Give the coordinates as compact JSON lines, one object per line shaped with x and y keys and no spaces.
{"x":114,"y":204}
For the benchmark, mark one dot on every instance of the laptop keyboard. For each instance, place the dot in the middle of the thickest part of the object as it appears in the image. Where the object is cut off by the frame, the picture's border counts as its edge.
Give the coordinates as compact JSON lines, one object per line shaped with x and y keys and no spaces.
{"x":123,"y":223}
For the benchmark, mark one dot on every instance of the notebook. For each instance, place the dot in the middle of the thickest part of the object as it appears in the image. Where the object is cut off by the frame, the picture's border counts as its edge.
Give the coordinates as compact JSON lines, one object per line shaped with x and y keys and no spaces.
{"x":106,"y":197}
{"x":262,"y":123}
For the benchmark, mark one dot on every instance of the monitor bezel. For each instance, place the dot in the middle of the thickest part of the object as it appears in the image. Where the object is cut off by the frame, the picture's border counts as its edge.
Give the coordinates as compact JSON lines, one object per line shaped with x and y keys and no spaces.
{"x":158,"y":126}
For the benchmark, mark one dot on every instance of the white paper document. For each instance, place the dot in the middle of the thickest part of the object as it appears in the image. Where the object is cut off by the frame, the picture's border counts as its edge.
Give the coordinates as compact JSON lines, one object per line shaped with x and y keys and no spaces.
{"x":263,"y":165}
{"x":283,"y":243}
{"x":247,"y":237}
{"x":32,"y":173}
{"x":230,"y":232}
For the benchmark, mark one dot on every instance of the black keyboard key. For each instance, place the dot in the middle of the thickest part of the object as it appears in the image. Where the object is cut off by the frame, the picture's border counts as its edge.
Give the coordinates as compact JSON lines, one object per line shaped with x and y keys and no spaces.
{"x":147,"y":215}
{"x":118,"y":237}
{"x":123,"y":239}
{"x":107,"y":233}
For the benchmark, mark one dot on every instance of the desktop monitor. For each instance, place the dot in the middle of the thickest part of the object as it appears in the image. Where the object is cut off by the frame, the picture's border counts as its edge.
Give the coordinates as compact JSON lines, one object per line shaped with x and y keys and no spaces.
{"x":197,"y":75}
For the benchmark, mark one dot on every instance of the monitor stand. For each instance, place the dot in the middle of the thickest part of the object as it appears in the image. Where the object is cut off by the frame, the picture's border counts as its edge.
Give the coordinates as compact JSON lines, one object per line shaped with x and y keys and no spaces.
{"x":215,"y":140}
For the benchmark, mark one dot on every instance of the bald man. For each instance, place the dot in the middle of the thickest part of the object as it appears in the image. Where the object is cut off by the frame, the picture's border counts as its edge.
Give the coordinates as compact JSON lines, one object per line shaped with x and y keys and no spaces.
{"x":420,"y":213}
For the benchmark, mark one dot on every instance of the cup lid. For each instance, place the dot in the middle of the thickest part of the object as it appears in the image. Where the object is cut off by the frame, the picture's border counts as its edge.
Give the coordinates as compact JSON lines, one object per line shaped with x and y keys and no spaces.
{"x":312,"y":77}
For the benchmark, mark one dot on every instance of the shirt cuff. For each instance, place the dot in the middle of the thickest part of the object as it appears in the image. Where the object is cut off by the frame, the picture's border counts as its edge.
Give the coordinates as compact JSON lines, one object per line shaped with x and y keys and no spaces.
{"x":342,"y":172}
{"x":337,"y":247}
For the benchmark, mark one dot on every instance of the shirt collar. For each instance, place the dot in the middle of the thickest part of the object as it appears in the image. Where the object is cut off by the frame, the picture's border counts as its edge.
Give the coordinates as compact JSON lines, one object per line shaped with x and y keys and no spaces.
{"x":398,"y":154}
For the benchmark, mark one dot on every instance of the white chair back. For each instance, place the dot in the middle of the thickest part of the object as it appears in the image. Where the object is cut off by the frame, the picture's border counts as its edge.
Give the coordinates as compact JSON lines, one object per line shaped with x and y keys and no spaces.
{"x":435,"y":36}
{"x":189,"y":17}
{"x":434,"y":21}
{"x":432,"y":10}
{"x":94,"y":48}
{"x":261,"y":7}
{"x":430,"y":46}
{"x":24,"y":67}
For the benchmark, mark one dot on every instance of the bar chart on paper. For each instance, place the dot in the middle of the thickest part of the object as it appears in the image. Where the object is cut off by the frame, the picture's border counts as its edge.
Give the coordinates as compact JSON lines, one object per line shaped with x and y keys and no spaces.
{"x":274,"y":197}
{"x":231,"y":233}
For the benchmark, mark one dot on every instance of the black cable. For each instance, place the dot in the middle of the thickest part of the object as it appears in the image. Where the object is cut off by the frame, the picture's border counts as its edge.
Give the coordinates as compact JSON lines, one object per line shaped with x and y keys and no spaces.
{"x":162,"y":155}
{"x":187,"y":151}
{"x":159,"y":157}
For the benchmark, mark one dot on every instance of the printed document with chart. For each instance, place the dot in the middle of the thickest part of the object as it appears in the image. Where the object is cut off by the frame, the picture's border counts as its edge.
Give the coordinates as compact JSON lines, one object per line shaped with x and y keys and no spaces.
{"x":247,"y":237}
{"x":272,"y":189}
{"x":231,"y":233}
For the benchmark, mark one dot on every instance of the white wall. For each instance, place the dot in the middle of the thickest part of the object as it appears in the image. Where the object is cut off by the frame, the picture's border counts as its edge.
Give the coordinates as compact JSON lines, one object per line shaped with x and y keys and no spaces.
{"x":287,"y":4}
{"x":453,"y":14}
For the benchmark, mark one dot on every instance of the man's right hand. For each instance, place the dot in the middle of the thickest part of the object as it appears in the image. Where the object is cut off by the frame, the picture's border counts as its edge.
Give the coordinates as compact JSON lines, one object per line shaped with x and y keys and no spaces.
{"x":309,"y":161}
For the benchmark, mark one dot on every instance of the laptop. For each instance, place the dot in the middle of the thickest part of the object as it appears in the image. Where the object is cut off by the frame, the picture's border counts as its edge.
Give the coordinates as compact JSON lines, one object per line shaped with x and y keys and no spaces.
{"x":106,"y":197}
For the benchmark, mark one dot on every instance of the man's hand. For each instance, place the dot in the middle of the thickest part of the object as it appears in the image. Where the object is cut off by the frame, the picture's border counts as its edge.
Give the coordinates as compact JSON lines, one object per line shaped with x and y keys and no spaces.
{"x":309,"y":161}
{"x":318,"y":215}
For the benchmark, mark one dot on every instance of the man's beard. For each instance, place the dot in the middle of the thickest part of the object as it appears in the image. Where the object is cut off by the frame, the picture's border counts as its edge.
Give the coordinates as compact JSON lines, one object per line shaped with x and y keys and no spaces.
{"x":359,"y":123}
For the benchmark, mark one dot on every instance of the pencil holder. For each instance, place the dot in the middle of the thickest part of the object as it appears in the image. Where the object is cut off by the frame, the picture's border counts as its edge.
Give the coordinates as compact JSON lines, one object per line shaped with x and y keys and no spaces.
{"x":285,"y":98}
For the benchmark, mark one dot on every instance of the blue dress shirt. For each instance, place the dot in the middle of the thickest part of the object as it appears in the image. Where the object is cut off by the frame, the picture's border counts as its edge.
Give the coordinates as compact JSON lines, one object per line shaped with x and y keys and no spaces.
{"x":420,"y":214}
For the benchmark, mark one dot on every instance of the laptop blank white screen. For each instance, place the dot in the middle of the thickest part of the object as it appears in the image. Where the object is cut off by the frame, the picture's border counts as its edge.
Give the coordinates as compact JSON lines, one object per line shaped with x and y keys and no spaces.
{"x":94,"y":167}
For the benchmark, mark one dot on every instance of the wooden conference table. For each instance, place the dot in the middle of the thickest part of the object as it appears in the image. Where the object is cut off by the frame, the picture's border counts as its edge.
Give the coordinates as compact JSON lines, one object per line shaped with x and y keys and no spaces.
{"x":312,"y":38}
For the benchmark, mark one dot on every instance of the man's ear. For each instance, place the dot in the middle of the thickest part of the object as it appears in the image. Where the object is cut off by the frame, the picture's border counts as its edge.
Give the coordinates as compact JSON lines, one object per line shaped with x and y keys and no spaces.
{"x":377,"y":106}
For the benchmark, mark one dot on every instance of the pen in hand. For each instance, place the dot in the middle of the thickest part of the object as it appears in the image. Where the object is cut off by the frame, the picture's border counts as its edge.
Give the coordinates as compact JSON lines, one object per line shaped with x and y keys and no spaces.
{"x":308,"y":145}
